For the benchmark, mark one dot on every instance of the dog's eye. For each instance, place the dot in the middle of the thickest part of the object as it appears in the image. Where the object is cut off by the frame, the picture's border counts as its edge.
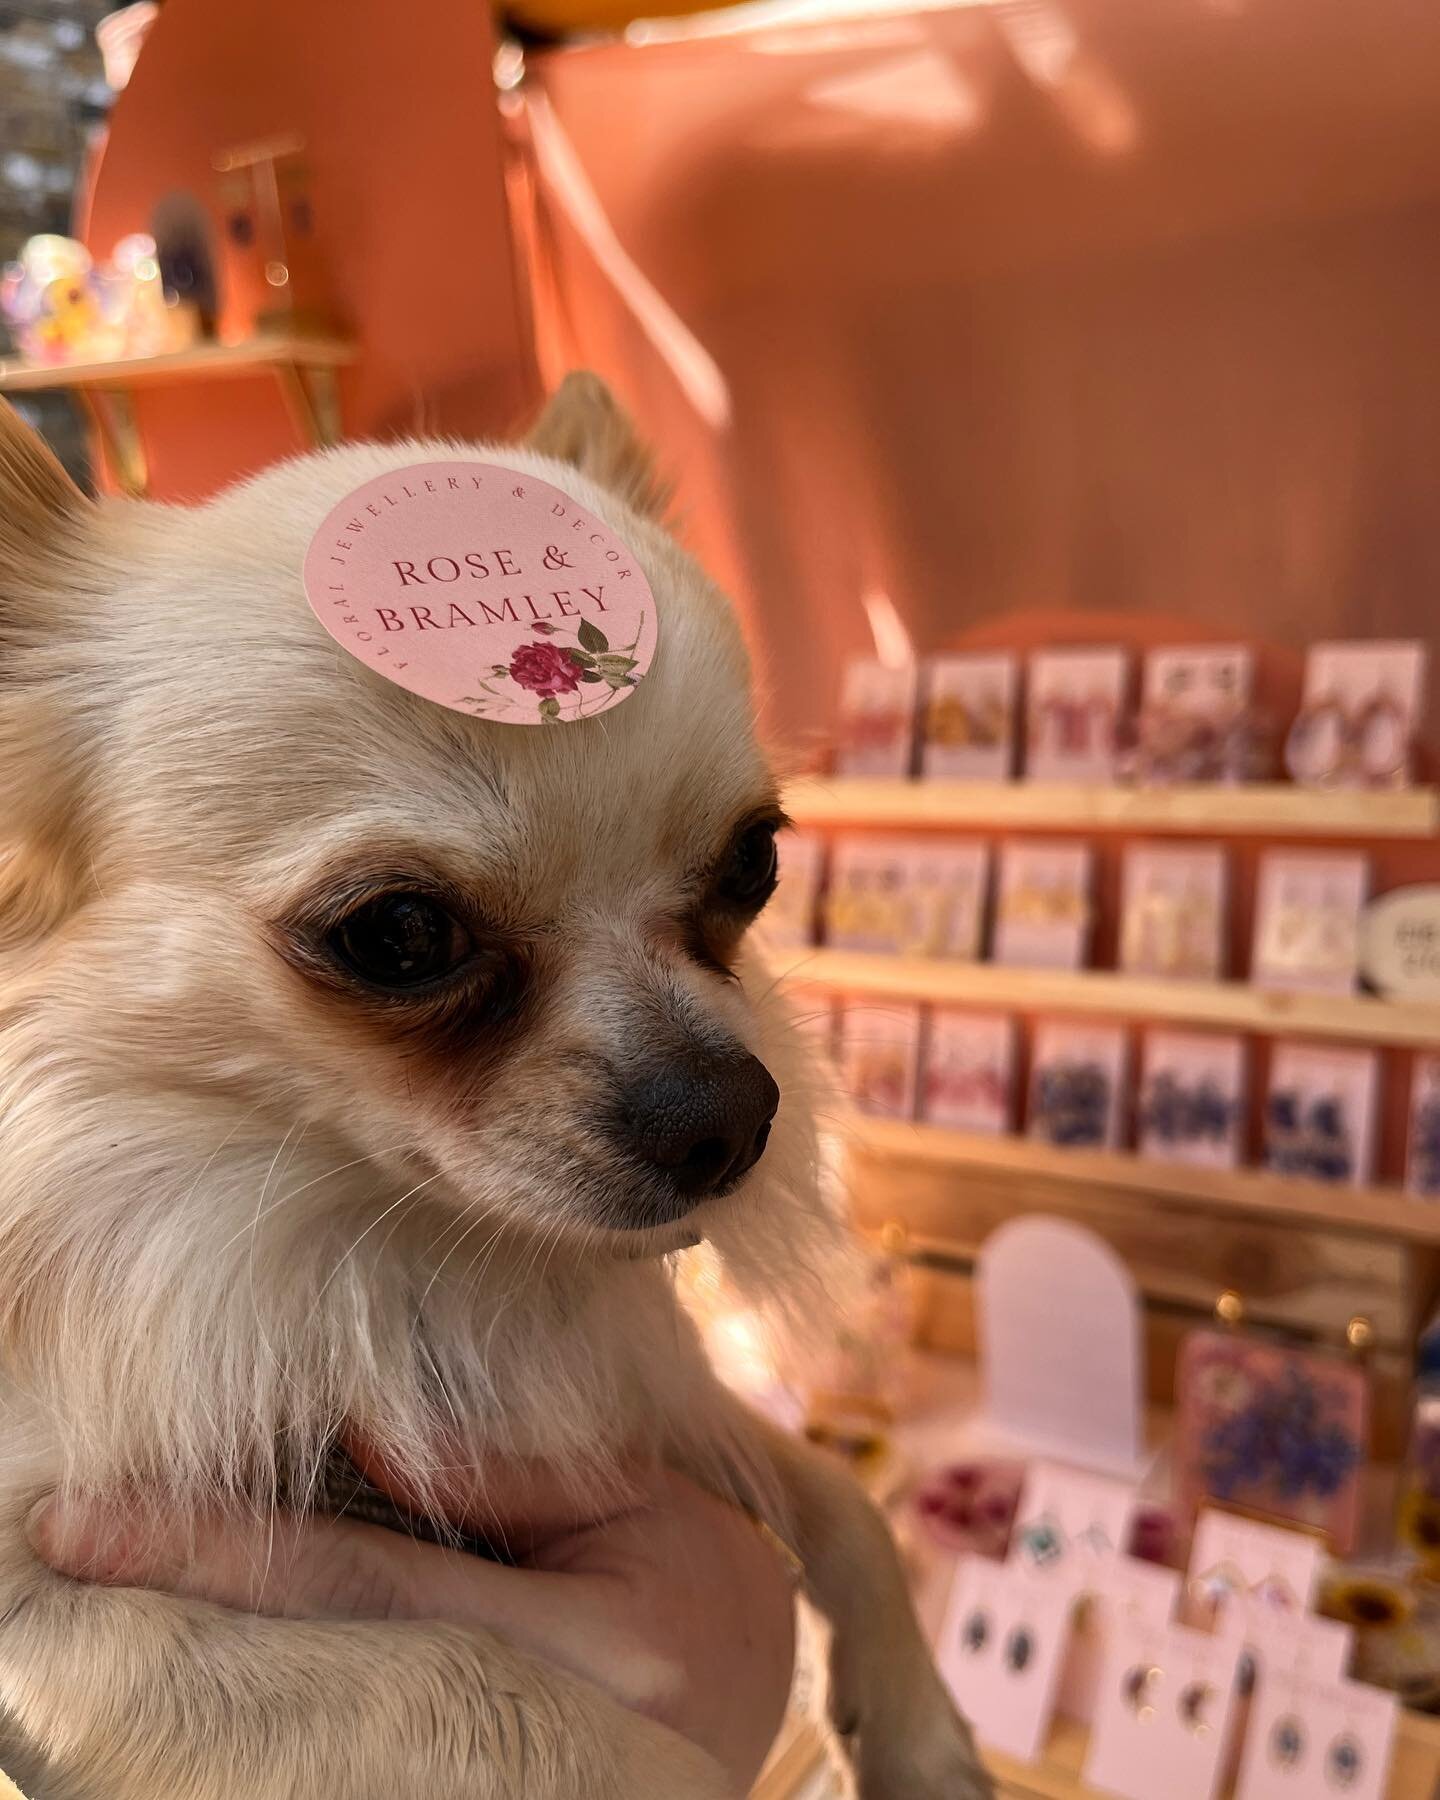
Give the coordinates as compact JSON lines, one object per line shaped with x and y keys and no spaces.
{"x":400,"y":941}
{"x":748,"y":877}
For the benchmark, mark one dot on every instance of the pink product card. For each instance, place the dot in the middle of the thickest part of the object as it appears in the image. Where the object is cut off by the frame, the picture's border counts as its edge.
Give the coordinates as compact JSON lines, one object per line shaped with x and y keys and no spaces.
{"x":1163,"y":1712}
{"x":486,"y":590}
{"x":1422,"y":1163}
{"x":1231,"y":1555}
{"x":1072,"y":1520}
{"x":1042,"y":908}
{"x":1320,"y":1113}
{"x":1126,"y":1590}
{"x":1273,"y":1430}
{"x":880,"y":1057}
{"x":969,"y":1075}
{"x":894,"y":896}
{"x":1205,"y":681}
{"x":1310,"y":1739}
{"x":1307,"y":921}
{"x":969,"y":721}
{"x":1192,"y":1099}
{"x":788,"y":922}
{"x":877,"y":719}
{"x":1077,"y":1079}
{"x":1300,"y":1643}
{"x":1359,"y":714}
{"x":1173,"y":912}
{"x":1001,"y":1649}
{"x":1075,"y":704}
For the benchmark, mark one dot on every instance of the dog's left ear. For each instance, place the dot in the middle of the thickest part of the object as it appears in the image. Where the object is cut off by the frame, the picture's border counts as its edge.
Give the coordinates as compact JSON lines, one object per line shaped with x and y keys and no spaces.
{"x":41,"y":509}
{"x":583,"y":425}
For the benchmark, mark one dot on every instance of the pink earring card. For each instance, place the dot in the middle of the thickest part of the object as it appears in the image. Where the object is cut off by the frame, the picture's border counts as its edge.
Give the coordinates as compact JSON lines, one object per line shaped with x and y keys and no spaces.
{"x":1192,"y":1098}
{"x":1313,"y":1739}
{"x":1172,"y":918}
{"x":969,"y":718}
{"x":1072,"y":1519}
{"x":877,"y":719}
{"x":879,"y":1057}
{"x":1231,"y":1555}
{"x":1307,"y":921}
{"x":1001,"y":1648}
{"x":1074,"y":708}
{"x":969,"y":1074}
{"x":1163,"y":1712}
{"x":1043,"y":907}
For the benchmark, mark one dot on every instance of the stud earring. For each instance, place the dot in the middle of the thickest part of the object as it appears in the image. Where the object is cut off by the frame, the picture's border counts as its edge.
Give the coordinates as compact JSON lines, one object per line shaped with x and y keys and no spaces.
{"x":1194,"y":1698}
{"x":975,"y":1633}
{"x":1138,"y":1688}
{"x":1343,"y":1762}
{"x":1287,"y":1742}
{"x":1042,"y":1542}
{"x":1019,"y":1648}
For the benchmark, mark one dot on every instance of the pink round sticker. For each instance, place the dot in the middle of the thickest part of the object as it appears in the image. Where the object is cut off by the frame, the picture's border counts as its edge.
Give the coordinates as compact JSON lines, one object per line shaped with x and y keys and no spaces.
{"x":484,"y":589}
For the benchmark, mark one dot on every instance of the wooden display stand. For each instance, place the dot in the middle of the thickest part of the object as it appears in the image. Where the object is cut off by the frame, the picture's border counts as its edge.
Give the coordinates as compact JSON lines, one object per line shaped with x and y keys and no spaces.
{"x":1307,"y":1257}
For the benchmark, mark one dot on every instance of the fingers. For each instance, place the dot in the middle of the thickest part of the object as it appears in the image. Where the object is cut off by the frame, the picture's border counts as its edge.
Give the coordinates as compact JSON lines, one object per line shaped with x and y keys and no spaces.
{"x":320,"y":1568}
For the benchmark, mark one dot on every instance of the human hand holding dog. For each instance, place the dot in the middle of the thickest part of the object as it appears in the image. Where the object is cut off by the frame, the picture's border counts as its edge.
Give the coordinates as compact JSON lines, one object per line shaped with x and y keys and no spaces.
{"x":674,"y":1605}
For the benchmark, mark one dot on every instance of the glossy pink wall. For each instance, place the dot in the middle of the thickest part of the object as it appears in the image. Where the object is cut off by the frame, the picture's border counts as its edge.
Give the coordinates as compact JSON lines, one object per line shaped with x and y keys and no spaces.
{"x":1095,"y":305}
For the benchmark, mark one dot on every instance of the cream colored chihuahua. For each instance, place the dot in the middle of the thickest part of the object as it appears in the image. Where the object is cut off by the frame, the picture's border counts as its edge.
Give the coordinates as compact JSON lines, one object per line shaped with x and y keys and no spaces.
{"x":362,"y":1066}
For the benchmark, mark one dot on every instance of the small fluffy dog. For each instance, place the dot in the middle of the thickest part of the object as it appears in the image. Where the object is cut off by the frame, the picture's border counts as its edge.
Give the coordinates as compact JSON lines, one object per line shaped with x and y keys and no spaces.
{"x":361,"y":1064}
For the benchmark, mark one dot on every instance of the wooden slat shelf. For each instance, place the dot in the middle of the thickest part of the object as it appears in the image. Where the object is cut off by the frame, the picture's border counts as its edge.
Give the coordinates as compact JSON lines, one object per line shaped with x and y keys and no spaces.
{"x":1264,"y":809}
{"x":1368,"y":1212}
{"x":255,"y":355}
{"x":1232,"y":1005}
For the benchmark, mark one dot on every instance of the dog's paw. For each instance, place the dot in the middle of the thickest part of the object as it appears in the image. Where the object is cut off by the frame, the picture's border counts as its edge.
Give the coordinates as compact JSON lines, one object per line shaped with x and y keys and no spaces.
{"x":930,"y":1759}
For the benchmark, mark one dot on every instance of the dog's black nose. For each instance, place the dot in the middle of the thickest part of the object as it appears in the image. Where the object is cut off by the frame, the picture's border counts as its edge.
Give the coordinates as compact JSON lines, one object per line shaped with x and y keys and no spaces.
{"x":702,"y":1121}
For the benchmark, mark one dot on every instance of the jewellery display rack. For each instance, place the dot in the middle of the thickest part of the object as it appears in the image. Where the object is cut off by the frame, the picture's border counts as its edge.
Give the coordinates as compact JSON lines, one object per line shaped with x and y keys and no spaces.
{"x":1308,"y":1255}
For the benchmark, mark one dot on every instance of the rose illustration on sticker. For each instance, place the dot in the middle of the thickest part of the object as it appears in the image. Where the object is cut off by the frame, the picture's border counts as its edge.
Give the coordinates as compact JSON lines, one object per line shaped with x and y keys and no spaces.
{"x":499,"y":598}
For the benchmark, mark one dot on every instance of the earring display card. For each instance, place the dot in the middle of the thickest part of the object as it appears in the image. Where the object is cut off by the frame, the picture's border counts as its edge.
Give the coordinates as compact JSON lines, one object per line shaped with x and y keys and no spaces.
{"x":1232,"y":1555}
{"x":877,"y":719}
{"x":879,"y":1056}
{"x":788,"y":922}
{"x":1000,"y":1651}
{"x":1422,"y":1163}
{"x":1299,"y":1643}
{"x":1311,"y":1739}
{"x":969,"y":1074}
{"x":1173,"y":912}
{"x":1359,"y":714}
{"x":968,"y":724}
{"x":1199,"y":681}
{"x":1162,"y":1717}
{"x":891,"y":896}
{"x":1077,"y":1076}
{"x":1042,"y":906}
{"x":1129,"y":1591}
{"x":1307,"y":921}
{"x":1320,"y":1113}
{"x":1192,"y":1097}
{"x":1075,"y":702}
{"x":1072,"y":1520}
{"x":1272,"y":1430}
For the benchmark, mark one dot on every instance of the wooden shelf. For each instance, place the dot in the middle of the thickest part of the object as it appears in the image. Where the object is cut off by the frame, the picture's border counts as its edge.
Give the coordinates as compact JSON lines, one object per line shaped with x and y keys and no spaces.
{"x":209,"y":361}
{"x":1368,"y":1212}
{"x":1271,"y":810}
{"x":1233,"y":1005}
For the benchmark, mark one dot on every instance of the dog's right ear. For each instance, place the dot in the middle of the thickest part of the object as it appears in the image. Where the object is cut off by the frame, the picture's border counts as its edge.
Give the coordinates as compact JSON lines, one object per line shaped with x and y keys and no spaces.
{"x":584,"y":425}
{"x":41,"y":510}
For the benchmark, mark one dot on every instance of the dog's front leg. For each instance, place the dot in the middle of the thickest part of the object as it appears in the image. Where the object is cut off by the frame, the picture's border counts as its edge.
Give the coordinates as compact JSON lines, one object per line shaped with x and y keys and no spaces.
{"x":905,"y":1737}
{"x":119,"y":1694}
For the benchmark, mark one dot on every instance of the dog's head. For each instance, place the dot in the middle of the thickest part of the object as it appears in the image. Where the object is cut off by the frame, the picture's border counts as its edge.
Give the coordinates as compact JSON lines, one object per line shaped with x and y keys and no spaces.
{"x":281,"y":938}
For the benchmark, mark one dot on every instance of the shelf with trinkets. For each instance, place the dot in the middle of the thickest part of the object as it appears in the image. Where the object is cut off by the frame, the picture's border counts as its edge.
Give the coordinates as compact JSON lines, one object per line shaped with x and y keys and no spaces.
{"x":1267,"y":809}
{"x":1234,"y":1005}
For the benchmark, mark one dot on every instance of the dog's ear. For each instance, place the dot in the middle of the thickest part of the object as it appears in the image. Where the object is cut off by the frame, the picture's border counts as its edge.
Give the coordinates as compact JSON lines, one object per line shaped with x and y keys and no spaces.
{"x":41,"y":510}
{"x":583,"y":425}
{"x":43,"y":521}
